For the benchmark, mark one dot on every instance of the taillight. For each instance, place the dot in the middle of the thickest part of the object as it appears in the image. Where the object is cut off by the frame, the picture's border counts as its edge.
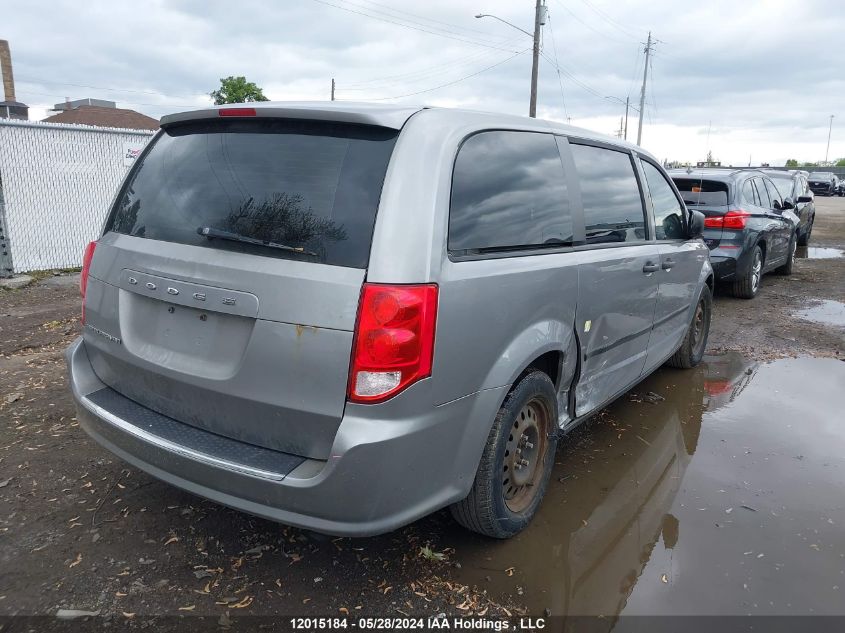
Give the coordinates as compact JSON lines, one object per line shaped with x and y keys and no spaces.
{"x":394,"y":340}
{"x":734,"y":219}
{"x":236,"y":112}
{"x":87,"y":256}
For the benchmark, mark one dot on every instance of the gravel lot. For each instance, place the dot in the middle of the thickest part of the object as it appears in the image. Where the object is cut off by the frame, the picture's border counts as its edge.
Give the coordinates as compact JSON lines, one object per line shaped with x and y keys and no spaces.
{"x":81,"y":530}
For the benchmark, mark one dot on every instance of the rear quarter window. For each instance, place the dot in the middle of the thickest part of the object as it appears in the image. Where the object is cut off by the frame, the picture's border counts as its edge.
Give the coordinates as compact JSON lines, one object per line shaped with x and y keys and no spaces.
{"x":311,"y":186}
{"x":508,"y":192}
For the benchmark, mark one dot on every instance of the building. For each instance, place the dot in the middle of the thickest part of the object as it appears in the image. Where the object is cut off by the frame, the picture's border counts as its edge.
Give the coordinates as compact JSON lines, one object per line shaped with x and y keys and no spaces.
{"x":100,"y":113}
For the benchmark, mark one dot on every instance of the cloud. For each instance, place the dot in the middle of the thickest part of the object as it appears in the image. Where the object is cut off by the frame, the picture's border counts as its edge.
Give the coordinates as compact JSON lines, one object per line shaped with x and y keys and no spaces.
{"x":760,"y":75}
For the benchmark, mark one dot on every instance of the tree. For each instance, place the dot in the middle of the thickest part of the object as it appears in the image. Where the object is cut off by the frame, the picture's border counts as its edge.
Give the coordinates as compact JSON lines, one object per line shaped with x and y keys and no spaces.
{"x":792,"y":163}
{"x":236,"y":90}
{"x":840,"y":162}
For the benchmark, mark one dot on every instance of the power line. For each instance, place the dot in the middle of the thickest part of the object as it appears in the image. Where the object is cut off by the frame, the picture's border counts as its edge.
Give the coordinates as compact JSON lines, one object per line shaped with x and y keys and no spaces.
{"x":422,"y":17}
{"x":415,"y":28}
{"x":572,"y":77}
{"x":37,"y":80}
{"x":451,"y":83}
{"x":589,"y":26}
{"x":418,"y":74}
{"x":609,"y":20}
{"x":557,"y":66}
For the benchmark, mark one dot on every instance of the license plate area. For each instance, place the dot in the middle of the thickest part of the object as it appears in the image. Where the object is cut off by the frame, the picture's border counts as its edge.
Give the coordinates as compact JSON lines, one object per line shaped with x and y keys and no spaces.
{"x":184,"y":339}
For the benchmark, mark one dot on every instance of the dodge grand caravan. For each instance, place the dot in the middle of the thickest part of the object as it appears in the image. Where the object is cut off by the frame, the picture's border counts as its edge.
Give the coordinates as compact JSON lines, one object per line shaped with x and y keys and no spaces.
{"x":345,"y":318}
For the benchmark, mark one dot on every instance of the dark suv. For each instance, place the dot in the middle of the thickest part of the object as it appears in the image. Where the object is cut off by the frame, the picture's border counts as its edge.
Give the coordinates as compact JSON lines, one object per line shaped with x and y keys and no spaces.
{"x":796,"y":194}
{"x":823,"y":183}
{"x":747,"y":227}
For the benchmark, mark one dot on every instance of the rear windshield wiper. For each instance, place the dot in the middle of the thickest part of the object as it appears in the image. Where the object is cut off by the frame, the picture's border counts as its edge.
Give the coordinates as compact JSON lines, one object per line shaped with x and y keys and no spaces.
{"x":210,"y":232}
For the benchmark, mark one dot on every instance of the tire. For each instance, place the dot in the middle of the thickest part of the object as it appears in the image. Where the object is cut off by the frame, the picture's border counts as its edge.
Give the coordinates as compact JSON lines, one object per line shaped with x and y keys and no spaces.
{"x":749,"y":285}
{"x":496,"y":507}
{"x":789,"y":266}
{"x":805,"y":238}
{"x":692,"y":348}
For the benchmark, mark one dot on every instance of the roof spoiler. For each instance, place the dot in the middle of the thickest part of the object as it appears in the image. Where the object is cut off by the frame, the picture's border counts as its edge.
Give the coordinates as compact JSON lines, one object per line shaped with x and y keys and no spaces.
{"x":362,"y":114}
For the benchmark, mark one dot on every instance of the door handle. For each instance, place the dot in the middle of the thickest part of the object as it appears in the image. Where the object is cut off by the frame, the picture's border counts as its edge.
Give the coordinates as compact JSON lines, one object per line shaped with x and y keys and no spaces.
{"x":650,"y":267}
{"x":668,"y":264}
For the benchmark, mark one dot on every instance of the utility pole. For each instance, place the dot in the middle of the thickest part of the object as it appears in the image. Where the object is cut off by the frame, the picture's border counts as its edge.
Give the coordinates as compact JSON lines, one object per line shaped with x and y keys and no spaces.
{"x":642,"y":92}
{"x":539,"y":19}
{"x":332,"y":88}
{"x":829,"y":130}
{"x":627,"y":104}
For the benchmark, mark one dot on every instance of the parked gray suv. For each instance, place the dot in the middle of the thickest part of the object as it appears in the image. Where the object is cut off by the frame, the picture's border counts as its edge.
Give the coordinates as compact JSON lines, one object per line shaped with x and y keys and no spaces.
{"x":346,"y":317}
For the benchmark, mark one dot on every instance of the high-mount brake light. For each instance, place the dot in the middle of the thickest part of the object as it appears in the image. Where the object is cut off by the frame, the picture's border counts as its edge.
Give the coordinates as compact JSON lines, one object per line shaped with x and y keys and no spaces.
{"x":236,"y":112}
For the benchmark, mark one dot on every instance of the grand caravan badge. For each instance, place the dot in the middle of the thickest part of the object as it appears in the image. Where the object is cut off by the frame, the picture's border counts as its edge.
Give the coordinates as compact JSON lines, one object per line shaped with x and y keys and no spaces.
{"x":105,"y":335}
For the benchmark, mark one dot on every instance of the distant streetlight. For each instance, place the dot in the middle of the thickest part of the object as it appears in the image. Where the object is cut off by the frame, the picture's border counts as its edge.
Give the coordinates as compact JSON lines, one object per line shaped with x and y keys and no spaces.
{"x":539,"y":21}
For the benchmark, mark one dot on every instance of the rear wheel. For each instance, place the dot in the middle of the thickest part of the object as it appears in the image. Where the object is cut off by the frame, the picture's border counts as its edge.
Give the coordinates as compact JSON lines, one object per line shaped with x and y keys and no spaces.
{"x":516,"y":463}
{"x":787,"y":267}
{"x":805,"y":237}
{"x":747,"y":287}
{"x":691,"y":351}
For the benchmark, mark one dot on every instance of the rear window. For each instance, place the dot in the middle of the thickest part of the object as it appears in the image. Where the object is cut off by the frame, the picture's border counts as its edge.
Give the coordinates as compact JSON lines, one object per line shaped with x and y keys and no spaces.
{"x":303,"y":190}
{"x":699,"y":192}
{"x":784,"y":186}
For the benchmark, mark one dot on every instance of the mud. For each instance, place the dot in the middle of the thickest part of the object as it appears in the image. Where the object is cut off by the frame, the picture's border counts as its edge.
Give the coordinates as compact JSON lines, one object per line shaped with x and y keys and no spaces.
{"x":645,"y":490}
{"x":724,"y":498}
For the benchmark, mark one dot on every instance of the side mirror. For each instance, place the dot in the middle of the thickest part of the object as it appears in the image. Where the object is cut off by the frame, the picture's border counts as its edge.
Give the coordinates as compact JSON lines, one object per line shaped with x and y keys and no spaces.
{"x":787,"y":204}
{"x":696,"y":224}
{"x":805,"y":199}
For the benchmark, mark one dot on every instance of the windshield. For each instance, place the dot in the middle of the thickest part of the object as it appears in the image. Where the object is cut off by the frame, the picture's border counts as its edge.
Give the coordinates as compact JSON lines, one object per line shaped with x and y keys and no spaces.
{"x":699,"y":192}
{"x":311,"y":186}
{"x":821,"y":175}
{"x":784,"y":186}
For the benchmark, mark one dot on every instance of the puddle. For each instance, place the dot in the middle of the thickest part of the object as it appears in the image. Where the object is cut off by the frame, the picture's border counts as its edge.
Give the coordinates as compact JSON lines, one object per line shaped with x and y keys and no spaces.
{"x":827,"y":312}
{"x":724,"y":498}
{"x":818,"y":252}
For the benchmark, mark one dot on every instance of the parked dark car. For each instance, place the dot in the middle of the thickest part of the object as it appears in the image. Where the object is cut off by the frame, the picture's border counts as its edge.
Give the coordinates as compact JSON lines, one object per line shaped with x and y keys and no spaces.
{"x":746,"y":227}
{"x":823,"y":183}
{"x":796,"y":194}
{"x":840,"y":187}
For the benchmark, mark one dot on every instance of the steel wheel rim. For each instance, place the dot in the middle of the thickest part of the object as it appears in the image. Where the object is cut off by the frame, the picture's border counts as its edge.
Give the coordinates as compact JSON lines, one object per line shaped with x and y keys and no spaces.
{"x":524,"y":455}
{"x":756,"y":269}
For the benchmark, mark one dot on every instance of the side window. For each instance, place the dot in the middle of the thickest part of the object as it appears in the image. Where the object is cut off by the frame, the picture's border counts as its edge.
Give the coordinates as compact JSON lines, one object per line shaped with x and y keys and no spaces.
{"x":509,"y":191}
{"x":774,"y":196}
{"x":668,"y":212}
{"x":765,"y":201}
{"x":613,"y":209}
{"x":749,"y":196}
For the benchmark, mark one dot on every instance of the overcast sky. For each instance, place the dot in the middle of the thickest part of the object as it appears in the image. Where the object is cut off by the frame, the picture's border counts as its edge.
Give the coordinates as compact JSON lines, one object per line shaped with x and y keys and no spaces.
{"x":762,"y":76}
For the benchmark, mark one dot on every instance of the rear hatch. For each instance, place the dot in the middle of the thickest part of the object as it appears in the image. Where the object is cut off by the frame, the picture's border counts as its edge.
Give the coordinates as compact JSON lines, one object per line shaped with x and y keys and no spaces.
{"x":224,"y":290}
{"x":710,"y":197}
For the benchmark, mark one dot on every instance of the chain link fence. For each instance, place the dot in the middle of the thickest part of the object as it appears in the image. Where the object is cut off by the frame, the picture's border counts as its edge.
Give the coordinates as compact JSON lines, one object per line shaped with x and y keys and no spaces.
{"x":56,"y":184}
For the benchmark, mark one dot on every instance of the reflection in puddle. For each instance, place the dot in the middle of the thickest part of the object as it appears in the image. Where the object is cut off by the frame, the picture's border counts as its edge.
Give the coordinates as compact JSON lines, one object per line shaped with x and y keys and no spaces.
{"x":827,"y":312}
{"x":818,"y":252}
{"x":726,"y":497}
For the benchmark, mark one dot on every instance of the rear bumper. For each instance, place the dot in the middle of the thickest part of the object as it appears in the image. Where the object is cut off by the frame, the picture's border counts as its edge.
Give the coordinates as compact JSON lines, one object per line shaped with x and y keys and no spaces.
{"x":387,"y":468}
{"x":724,"y":266}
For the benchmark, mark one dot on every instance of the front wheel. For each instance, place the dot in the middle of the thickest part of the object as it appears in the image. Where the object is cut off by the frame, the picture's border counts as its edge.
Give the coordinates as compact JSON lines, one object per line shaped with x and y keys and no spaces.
{"x":691,"y":351}
{"x":516,"y":463}
{"x":805,"y":237}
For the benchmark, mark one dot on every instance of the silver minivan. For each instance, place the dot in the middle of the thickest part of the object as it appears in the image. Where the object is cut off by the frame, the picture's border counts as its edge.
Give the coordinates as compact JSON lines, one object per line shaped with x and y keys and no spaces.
{"x":345,"y":317}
